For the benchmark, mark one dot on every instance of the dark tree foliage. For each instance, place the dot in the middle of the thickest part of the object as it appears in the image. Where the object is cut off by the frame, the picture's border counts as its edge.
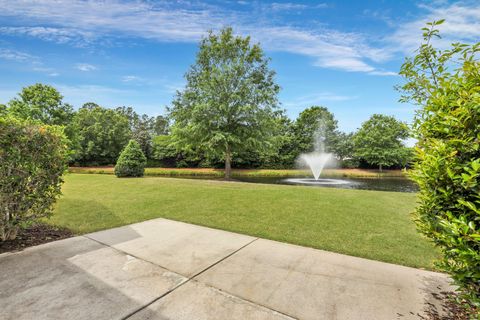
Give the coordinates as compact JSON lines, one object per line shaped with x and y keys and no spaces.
{"x":101,"y":134}
{"x":308,"y":124}
{"x":144,"y":128}
{"x":379,"y":141}
{"x":3,"y":110}
{"x":161,"y":126}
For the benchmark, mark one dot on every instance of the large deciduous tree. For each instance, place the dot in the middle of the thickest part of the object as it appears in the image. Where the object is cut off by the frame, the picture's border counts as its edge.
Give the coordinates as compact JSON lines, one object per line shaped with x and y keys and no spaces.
{"x":101,"y":134}
{"x":308,"y":124}
{"x":229,"y":98}
{"x":141,"y":127}
{"x":379,"y":141}
{"x":160,"y":126}
{"x":43,"y":103}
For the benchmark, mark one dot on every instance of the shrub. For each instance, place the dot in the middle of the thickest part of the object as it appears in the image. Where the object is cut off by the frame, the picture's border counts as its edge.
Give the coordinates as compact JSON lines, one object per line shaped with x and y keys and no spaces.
{"x":32,"y":160}
{"x":447,"y":167}
{"x":131,"y":162}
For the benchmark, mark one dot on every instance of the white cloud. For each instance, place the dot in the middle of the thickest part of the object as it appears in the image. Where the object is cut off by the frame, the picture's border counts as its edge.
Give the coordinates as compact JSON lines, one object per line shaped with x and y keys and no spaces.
{"x":330,"y":49}
{"x":131,"y":78}
{"x":289,"y":6}
{"x":58,"y":35}
{"x":462,"y":24}
{"x":15,"y":55}
{"x":85,"y":67}
{"x":383,"y":73}
{"x":82,"y":23}
{"x":79,"y":21}
{"x":110,"y":17}
{"x":345,"y":63}
{"x":28,"y":60}
{"x":317,"y":99}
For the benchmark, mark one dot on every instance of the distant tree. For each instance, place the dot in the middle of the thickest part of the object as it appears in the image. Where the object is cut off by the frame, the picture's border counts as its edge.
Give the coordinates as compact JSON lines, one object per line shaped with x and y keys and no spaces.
{"x":345,"y":148}
{"x":43,"y":103}
{"x":164,"y":150}
{"x":308,"y":123}
{"x":379,"y":141}
{"x":90,"y":105}
{"x":142,"y":128}
{"x":271,"y":157}
{"x":227,"y":104}
{"x":160,"y":126}
{"x":101,"y":134}
{"x":131,"y":162}
{"x":3,"y":110}
{"x":283,"y":153}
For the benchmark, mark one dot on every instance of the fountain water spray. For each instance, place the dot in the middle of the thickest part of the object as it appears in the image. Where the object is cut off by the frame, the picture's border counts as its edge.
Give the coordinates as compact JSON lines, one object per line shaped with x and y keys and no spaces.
{"x":317,"y":159}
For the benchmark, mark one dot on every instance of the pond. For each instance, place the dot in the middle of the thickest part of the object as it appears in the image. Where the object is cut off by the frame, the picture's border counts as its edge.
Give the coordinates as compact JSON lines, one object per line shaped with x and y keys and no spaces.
{"x":395,"y":184}
{"x":381,"y":184}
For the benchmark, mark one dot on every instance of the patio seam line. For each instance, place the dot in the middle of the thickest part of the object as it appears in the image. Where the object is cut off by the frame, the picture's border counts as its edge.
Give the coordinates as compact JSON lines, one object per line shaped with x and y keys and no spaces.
{"x":132,"y":255}
{"x":186,"y":281}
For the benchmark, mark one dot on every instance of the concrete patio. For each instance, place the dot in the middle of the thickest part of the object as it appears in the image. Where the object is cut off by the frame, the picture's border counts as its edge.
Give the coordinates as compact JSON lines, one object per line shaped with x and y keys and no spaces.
{"x":163,"y":269}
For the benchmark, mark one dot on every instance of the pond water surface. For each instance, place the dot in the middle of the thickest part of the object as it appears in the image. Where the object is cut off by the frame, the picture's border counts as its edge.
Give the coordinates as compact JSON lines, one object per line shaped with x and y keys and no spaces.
{"x":396,"y":184}
{"x":380,"y":184}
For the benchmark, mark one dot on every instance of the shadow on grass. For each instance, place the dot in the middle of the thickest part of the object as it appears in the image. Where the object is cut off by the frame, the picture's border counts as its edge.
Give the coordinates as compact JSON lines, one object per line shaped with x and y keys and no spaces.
{"x":85,"y":216}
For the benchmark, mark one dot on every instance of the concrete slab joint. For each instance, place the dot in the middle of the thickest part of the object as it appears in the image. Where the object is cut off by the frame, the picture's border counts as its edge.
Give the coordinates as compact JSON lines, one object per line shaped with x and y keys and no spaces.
{"x":163,"y":269}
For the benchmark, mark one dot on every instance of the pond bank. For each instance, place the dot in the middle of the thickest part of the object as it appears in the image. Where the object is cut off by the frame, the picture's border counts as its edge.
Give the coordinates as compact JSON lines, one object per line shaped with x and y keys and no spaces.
{"x":211,"y":172}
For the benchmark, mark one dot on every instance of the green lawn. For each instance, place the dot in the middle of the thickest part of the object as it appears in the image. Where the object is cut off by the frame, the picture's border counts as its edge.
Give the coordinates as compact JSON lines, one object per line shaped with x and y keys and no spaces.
{"x":370,"y":224}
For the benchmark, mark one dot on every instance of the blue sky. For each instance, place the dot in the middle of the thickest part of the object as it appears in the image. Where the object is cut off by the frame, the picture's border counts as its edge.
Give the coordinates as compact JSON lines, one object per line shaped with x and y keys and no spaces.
{"x":344,"y":55}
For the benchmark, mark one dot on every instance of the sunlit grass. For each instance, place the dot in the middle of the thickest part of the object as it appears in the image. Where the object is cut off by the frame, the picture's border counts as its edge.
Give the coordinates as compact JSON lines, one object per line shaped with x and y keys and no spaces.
{"x":370,"y":224}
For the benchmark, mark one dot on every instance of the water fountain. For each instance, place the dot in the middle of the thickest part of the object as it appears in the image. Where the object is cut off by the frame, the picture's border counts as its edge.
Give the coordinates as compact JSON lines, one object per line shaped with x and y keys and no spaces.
{"x":316,"y":161}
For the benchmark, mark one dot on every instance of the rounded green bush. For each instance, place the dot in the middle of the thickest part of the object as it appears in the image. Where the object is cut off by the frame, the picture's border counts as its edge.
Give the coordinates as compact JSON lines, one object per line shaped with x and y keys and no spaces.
{"x":131,"y":162}
{"x":33,"y":158}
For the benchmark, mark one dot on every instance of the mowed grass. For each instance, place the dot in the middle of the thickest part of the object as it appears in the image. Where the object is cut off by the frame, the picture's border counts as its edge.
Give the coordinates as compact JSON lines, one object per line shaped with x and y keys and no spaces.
{"x":369,"y":224}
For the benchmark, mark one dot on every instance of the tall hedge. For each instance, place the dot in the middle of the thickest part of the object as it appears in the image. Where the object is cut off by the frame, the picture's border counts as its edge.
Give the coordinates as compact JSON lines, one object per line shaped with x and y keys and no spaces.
{"x":446,"y":86}
{"x":32,"y":160}
{"x":131,"y":162}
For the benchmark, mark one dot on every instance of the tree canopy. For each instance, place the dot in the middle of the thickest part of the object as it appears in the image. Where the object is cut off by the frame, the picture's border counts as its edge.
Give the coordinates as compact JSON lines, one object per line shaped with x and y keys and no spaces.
{"x":43,"y":103}
{"x":100,"y":134}
{"x":309,"y":124}
{"x":228,"y":100}
{"x":379,"y":141}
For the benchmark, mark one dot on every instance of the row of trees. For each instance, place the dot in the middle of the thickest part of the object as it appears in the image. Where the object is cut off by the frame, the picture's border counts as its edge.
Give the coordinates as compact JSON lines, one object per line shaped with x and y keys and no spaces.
{"x":97,"y":135}
{"x":227,"y":114}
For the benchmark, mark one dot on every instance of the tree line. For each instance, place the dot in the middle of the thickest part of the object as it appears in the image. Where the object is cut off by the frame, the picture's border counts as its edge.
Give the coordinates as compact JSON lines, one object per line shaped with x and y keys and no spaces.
{"x":227,"y":115}
{"x":97,"y":136}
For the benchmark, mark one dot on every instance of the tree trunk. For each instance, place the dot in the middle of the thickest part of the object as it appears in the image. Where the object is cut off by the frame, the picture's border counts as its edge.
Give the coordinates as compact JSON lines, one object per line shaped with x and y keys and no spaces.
{"x":228,"y":165}
{"x":380,"y":167}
